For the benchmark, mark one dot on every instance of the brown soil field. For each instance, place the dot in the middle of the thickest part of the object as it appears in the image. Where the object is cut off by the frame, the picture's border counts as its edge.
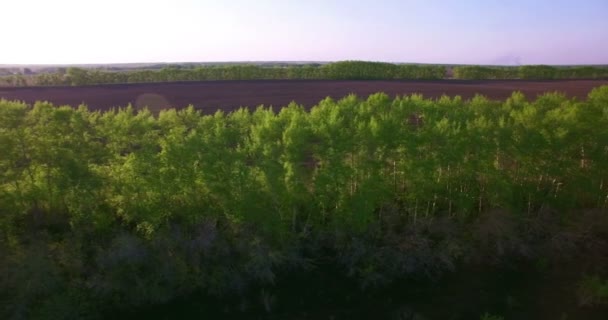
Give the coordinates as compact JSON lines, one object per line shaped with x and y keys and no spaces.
{"x":229,"y":95}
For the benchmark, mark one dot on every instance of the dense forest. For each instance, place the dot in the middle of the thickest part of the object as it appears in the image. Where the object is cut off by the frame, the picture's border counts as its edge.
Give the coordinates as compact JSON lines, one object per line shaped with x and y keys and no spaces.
{"x":343,"y":70}
{"x":103,"y":213}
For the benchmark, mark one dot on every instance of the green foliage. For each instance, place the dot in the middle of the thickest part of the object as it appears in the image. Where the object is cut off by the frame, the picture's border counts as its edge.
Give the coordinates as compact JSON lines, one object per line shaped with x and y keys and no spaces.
{"x":488,"y":316}
{"x":129,"y":209}
{"x":529,"y":72}
{"x":363,"y":70}
{"x":344,"y":159}
{"x":345,"y":70}
{"x":481,"y":73}
{"x":539,"y":72}
{"x":593,"y":290}
{"x":342,"y":70}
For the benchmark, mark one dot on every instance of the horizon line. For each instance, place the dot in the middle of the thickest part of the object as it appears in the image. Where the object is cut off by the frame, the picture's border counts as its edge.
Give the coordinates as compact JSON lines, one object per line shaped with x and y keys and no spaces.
{"x":5,"y":65}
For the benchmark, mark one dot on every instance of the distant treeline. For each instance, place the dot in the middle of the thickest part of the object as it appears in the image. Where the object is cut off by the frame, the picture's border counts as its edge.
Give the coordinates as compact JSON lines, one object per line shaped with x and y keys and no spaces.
{"x":344,"y":70}
{"x":539,"y":72}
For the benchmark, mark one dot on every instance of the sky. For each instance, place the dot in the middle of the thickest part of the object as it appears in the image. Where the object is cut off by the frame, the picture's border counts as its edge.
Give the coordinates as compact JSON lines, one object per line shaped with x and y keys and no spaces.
{"x":505,"y":32}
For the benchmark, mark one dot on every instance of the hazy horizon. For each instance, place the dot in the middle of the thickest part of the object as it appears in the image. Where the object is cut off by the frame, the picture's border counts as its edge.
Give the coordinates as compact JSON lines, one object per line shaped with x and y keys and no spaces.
{"x":441,"y":32}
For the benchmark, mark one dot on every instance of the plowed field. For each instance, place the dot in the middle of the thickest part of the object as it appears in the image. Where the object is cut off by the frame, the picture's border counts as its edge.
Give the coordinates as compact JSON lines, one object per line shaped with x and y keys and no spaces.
{"x":229,"y":95}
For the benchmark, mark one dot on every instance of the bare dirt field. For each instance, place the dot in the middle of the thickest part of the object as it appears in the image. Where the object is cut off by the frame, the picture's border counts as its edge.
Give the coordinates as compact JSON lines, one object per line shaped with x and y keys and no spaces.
{"x":229,"y":95}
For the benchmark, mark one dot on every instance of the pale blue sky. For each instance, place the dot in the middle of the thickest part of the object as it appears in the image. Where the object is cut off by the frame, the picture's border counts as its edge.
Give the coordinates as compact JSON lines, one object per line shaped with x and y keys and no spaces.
{"x":426,"y":31}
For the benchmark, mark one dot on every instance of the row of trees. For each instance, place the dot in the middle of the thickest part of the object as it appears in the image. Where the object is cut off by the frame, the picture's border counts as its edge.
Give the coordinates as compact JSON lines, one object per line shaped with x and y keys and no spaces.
{"x":345,"y":70}
{"x":532,"y":72}
{"x":344,"y":159}
{"x":124,"y":208}
{"x":16,"y":80}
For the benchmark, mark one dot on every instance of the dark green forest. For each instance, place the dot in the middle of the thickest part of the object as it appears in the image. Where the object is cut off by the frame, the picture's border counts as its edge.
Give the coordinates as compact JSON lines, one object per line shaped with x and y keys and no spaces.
{"x":342,"y":70}
{"x":265,"y":212}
